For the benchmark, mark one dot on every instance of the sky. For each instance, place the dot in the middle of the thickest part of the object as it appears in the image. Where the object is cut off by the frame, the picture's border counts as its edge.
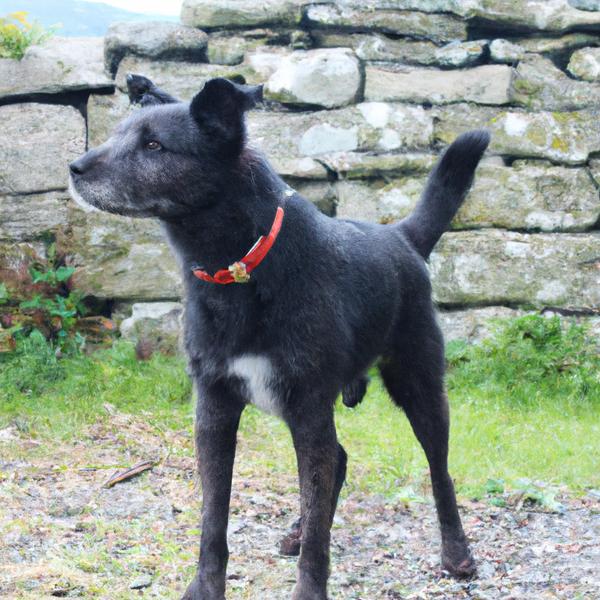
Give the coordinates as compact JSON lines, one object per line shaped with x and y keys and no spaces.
{"x":157,"y":7}
{"x":89,"y":17}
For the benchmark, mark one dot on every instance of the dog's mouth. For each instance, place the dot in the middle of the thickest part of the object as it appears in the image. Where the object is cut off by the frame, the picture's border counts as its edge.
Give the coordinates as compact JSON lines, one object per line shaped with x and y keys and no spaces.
{"x":79,"y":199}
{"x":97,"y":200}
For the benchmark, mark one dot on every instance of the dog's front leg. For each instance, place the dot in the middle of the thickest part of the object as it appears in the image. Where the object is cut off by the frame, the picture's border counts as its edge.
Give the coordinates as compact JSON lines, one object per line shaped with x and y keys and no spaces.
{"x":313,"y":432}
{"x":217,"y":419}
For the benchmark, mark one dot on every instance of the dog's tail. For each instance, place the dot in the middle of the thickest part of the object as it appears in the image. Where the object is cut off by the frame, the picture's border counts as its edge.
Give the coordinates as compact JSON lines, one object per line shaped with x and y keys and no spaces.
{"x":446,"y":189}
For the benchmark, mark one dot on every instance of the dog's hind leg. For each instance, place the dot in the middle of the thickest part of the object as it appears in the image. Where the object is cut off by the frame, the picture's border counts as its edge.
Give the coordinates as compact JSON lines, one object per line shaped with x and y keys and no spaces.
{"x":217,"y":419}
{"x":318,"y":455}
{"x":414,"y":379}
{"x":290,"y":544}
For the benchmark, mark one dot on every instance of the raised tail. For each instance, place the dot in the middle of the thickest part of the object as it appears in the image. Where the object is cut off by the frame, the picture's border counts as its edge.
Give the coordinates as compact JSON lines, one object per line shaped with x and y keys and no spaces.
{"x":446,"y":189}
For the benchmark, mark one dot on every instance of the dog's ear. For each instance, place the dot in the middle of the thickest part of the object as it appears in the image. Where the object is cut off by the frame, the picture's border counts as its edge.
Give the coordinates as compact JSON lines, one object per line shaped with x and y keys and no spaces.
{"x":143,"y":92}
{"x":220,"y":106}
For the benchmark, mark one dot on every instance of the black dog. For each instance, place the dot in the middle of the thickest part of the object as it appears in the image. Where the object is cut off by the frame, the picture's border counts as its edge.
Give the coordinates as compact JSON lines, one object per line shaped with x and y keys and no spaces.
{"x":291,"y":326}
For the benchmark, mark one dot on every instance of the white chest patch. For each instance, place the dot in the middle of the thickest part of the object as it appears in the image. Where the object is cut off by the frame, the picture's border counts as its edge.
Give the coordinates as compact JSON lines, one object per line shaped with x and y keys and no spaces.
{"x":258,"y":375}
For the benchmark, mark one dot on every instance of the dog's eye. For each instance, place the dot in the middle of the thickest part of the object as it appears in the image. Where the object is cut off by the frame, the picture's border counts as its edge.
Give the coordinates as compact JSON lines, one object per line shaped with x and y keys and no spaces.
{"x":153,"y":145}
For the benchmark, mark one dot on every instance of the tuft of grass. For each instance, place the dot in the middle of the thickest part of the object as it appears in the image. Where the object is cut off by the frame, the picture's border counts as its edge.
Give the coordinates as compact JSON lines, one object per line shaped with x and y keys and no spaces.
{"x":525,"y":406}
{"x":530,"y":361}
{"x":17,"y":34}
{"x":57,"y":397}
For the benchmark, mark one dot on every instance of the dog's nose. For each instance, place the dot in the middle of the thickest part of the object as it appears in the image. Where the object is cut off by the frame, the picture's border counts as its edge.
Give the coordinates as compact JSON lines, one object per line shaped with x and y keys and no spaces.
{"x":76,"y":167}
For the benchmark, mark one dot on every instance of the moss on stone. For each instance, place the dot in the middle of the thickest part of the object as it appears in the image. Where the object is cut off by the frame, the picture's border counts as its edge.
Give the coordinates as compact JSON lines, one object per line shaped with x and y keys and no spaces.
{"x":559,"y":144}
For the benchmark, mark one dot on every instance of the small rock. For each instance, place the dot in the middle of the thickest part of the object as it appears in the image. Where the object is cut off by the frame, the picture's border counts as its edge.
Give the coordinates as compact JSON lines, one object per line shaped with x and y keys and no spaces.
{"x":503,"y":51}
{"x":460,"y":54}
{"x":585,"y":64}
{"x":236,"y":526}
{"x":228,"y":50}
{"x":485,"y":570}
{"x":8,"y":434}
{"x":154,"y":323}
{"x":141,"y":582}
{"x":360,"y":165}
{"x":328,"y":138}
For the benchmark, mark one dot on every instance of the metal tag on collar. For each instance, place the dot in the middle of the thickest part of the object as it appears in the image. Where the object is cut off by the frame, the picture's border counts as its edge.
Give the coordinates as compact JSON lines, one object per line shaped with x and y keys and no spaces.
{"x":239,"y":273}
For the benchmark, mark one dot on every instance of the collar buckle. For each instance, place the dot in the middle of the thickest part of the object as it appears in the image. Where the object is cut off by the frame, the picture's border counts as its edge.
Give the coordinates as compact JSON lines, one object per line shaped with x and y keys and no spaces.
{"x":238,"y":272}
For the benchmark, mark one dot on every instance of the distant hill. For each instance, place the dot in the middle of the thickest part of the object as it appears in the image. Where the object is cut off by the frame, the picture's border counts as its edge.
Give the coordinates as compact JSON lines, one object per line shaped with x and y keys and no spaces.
{"x":75,"y":17}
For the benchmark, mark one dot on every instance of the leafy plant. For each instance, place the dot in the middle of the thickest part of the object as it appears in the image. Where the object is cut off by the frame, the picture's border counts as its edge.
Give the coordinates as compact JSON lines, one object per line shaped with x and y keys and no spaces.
{"x":494,"y":488}
{"x":17,"y":34}
{"x":53,"y":311}
{"x":531,"y":358}
{"x":536,"y":494}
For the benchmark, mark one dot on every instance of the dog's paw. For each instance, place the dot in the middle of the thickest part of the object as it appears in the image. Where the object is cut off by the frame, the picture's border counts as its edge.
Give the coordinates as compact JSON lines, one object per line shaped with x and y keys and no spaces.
{"x":460,"y":564}
{"x":197,"y":591}
{"x":290,"y":544}
{"x":309,"y":592}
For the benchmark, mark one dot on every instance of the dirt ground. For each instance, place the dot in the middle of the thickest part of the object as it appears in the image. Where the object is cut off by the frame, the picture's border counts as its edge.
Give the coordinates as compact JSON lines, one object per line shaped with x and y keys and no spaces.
{"x":62,"y":534}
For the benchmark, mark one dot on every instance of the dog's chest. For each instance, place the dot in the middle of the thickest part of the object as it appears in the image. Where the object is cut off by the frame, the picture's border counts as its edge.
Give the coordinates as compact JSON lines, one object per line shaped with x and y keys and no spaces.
{"x":258,"y":377}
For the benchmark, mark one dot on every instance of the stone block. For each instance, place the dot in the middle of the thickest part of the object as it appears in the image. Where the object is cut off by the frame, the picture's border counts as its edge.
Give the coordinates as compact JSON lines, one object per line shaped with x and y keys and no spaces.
{"x":561,"y":137}
{"x":365,"y":127}
{"x":487,"y":84}
{"x":58,"y":66}
{"x":37,"y":143}
{"x":33,"y":216}
{"x":153,"y":39}
{"x":326,"y":78}
{"x":119,"y":257}
{"x":539,"y":85}
{"x":530,"y":195}
{"x":502,"y":267}
{"x":436,"y":27}
{"x":232,"y":14}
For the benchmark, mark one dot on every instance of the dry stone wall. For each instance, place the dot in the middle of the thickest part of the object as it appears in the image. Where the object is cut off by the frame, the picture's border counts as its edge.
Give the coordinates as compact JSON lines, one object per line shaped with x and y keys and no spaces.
{"x":361,"y":96}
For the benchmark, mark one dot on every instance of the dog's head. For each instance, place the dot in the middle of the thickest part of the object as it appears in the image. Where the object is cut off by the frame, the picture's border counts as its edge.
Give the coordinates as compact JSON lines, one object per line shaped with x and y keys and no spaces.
{"x":167,"y":159}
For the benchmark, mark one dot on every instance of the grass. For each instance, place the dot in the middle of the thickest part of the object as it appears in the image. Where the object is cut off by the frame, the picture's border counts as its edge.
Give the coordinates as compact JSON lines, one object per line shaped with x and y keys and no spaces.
{"x":525,"y":406}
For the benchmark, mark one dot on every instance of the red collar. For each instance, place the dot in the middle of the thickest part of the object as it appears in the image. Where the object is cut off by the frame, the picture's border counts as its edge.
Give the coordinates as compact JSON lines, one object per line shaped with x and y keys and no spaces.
{"x":239,"y":272}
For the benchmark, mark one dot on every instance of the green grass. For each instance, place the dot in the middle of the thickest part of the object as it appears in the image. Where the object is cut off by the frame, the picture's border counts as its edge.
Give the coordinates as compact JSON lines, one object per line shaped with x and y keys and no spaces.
{"x":525,"y":405}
